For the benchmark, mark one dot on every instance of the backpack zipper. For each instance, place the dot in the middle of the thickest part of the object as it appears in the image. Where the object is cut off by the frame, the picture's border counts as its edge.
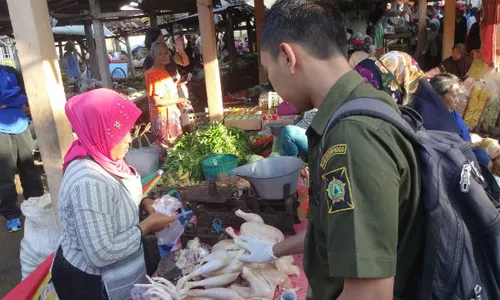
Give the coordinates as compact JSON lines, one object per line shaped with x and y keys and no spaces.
{"x":468,"y":169}
{"x":477,"y":173}
{"x":477,"y":292}
{"x":465,"y":177}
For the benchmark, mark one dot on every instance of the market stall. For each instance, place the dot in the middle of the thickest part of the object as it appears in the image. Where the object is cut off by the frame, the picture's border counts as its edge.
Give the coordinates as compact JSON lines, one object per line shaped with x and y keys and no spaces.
{"x":221,"y":174}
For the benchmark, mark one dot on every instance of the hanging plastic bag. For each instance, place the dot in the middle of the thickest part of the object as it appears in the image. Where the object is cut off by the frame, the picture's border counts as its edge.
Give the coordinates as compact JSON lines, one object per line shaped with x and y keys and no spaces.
{"x":145,"y":160}
{"x":41,"y":233}
{"x":168,"y":237}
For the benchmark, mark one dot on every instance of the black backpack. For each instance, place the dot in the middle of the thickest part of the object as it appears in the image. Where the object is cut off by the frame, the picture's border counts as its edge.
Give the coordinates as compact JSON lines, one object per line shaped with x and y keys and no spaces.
{"x":461,"y":254}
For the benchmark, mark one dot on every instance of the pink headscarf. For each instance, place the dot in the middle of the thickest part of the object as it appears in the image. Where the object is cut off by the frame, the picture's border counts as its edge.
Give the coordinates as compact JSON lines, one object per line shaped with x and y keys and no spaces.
{"x":100,"y":118}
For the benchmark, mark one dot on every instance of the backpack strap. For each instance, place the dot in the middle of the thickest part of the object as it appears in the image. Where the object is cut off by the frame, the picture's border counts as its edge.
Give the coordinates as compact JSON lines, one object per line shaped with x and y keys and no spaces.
{"x":407,"y":123}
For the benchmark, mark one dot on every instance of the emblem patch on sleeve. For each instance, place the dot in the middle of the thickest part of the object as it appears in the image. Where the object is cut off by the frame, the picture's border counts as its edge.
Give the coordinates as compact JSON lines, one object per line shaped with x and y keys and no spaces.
{"x":339,"y":149}
{"x":338,"y":191}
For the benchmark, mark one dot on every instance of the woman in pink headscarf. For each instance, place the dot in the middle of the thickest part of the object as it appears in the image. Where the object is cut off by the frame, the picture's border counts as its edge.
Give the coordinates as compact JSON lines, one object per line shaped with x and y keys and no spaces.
{"x":101,"y":252}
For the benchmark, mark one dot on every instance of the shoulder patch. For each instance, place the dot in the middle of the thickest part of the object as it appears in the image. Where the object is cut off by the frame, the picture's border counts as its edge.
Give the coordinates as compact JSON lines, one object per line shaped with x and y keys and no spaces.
{"x":338,"y":191}
{"x":339,"y":149}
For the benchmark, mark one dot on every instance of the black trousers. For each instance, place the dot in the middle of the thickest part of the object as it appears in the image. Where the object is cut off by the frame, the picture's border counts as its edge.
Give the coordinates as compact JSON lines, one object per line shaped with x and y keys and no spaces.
{"x":72,"y":284}
{"x":16,"y":154}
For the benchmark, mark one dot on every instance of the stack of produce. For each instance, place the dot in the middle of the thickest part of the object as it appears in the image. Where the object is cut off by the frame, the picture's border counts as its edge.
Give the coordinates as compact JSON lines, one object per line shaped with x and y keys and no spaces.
{"x":183,"y":161}
{"x":223,"y":276}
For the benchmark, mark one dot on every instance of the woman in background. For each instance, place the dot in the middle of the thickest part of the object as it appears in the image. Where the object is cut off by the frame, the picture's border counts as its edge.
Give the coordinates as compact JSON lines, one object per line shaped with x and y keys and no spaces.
{"x":458,"y":63}
{"x":398,"y":74}
{"x":448,"y":88}
{"x":294,"y":138}
{"x":152,"y":35}
{"x":180,"y":57}
{"x":164,"y":103}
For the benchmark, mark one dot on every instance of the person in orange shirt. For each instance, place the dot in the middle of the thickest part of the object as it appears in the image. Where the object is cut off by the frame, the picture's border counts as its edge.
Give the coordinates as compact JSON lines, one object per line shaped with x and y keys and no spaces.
{"x":164,"y":103}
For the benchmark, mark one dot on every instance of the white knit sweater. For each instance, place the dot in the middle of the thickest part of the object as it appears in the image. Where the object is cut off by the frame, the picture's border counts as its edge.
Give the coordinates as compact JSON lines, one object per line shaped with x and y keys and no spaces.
{"x":98,"y":218}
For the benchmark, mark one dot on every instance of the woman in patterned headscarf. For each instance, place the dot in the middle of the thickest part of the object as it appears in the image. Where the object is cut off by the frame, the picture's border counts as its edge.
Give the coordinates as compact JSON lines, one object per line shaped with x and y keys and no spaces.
{"x":398,"y":74}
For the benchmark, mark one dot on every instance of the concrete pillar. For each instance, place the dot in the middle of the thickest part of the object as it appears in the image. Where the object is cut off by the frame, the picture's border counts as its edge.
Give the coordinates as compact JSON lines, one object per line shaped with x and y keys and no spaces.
{"x":44,"y":87}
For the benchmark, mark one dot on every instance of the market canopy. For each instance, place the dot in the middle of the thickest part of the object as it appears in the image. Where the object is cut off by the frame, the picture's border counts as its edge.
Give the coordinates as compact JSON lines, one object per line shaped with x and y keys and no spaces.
{"x":76,"y":12}
{"x":76,"y":30}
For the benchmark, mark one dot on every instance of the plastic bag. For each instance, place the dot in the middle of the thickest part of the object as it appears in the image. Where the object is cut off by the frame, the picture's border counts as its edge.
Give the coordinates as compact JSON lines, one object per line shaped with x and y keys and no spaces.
{"x":492,"y":109}
{"x":41,"y":233}
{"x":145,"y":160}
{"x":167,"y":238}
{"x":48,"y":292}
{"x":478,"y":69}
{"x":478,"y":98}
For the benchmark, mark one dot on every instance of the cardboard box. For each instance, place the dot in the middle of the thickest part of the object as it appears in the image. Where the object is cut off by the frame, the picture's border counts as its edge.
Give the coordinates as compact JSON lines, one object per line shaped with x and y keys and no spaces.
{"x":246,"y":118}
{"x":252,"y":123}
{"x":189,"y":121}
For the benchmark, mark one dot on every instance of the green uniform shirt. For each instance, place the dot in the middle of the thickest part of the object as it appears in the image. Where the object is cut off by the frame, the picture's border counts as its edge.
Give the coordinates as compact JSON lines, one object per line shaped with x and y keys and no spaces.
{"x":367,"y":221}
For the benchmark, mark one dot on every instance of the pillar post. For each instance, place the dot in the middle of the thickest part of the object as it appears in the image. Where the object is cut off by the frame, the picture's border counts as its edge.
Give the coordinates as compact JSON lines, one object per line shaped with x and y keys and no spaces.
{"x":94,"y":65}
{"x":210,"y":61}
{"x":100,"y":43}
{"x":129,"y":56}
{"x":259,"y":21}
{"x":44,"y":87}
{"x":449,"y":27}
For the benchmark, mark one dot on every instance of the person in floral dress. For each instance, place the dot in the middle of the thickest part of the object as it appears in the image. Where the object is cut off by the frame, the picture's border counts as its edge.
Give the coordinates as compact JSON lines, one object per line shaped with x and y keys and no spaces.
{"x":164,"y":103}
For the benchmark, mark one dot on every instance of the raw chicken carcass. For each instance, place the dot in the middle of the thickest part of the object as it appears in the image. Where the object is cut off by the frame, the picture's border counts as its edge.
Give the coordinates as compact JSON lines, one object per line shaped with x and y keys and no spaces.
{"x":223,"y":245}
{"x":244,"y":291}
{"x":258,"y":286}
{"x":285,"y":265}
{"x":265,"y":232}
{"x":274,"y":277}
{"x":249,"y":217}
{"x":215,"y":294}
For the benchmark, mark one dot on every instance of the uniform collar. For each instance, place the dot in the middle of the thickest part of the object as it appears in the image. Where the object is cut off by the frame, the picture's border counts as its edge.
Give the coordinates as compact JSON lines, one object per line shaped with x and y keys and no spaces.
{"x":335,"y":97}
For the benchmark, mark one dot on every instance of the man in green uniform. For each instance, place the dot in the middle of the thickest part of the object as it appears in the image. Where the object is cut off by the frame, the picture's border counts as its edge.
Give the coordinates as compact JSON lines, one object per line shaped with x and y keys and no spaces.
{"x":365,"y":218}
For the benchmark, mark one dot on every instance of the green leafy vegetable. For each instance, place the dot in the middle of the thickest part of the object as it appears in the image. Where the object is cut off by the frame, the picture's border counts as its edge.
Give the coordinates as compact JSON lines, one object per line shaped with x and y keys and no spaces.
{"x":187,"y":153}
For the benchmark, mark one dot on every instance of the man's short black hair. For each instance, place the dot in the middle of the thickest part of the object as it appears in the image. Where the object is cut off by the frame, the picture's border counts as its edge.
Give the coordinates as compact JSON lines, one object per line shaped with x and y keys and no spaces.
{"x":314,"y":24}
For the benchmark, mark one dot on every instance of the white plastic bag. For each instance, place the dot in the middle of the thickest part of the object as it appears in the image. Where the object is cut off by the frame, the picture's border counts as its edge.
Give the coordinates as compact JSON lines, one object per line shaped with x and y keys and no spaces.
{"x":41,"y":233}
{"x":145,"y":160}
{"x":168,"y":205}
{"x":167,"y":238}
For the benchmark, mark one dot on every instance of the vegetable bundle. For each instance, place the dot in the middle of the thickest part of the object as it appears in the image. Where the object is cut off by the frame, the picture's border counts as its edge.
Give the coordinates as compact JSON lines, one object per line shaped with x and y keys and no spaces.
{"x":183,"y":161}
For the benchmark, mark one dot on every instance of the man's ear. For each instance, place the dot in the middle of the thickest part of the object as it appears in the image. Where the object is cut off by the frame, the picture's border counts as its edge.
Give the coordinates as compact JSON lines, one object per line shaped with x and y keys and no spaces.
{"x":289,"y":57}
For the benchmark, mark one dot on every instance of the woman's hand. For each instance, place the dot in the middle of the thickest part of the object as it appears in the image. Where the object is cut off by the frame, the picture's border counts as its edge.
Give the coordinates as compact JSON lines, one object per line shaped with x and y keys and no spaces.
{"x":156,"y":222}
{"x":147,"y":204}
{"x":179,"y":43}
